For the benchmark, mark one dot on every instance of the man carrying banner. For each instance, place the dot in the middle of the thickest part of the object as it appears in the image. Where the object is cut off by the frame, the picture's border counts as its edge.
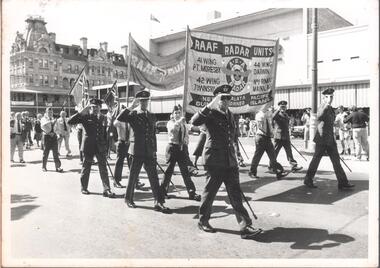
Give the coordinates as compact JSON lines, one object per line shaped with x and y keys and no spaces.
{"x":142,"y":149}
{"x":281,"y":134}
{"x":220,"y":161}
{"x":325,"y":142}
{"x":94,"y":144}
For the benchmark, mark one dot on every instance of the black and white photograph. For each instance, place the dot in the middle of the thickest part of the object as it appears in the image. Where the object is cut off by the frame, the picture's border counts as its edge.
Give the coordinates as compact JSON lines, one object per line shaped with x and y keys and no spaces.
{"x":190,"y":133}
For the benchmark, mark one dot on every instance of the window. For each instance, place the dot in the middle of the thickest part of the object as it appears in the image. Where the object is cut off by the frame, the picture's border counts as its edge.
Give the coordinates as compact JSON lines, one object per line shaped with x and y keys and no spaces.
{"x":99,"y":82}
{"x":103,"y":70}
{"x":109,"y":72}
{"x":46,"y":80}
{"x":31,"y":80}
{"x":41,"y":80}
{"x":93,"y":82}
{"x":98,"y":70}
{"x":69,"y":68}
{"x":92,"y":70}
{"x":55,"y":65}
{"x":31,"y":63}
{"x":40,"y":63}
{"x":55,"y":80}
{"x":121,"y":74}
{"x":76,"y":68}
{"x":46,"y":64}
{"x":116,"y":74}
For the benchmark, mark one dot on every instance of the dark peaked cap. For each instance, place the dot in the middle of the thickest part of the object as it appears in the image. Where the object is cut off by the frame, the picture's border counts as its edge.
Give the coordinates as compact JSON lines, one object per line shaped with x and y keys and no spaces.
{"x":282,"y":103}
{"x":95,"y":101}
{"x":223,"y":89}
{"x":328,"y":91}
{"x":142,"y":95}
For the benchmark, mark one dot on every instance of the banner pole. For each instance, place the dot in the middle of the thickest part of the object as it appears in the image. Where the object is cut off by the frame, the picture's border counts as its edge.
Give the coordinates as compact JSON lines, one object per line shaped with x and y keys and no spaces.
{"x":275,"y":71}
{"x":186,"y":71}
{"x":128,"y":66}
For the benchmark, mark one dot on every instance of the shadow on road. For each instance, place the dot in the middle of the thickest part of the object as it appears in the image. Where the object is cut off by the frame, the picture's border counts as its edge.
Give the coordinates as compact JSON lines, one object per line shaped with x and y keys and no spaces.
{"x":19,"y":212}
{"x":304,"y":238}
{"x":22,"y":198}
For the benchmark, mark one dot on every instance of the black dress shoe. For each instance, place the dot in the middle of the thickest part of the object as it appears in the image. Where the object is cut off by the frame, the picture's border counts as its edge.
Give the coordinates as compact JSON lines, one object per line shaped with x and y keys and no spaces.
{"x":253,"y":175}
{"x":296,"y":168}
{"x":139,"y":185}
{"x":108,"y":194}
{"x":22,"y":161}
{"x":44,"y":169}
{"x":161,"y":208}
{"x":347,"y":186}
{"x":85,"y":192}
{"x":195,"y":197}
{"x":60,"y":170}
{"x":281,"y":175}
{"x":309,"y":183}
{"x":130,"y":204}
{"x":206,"y":227}
{"x":249,"y":232}
{"x":117,"y":184}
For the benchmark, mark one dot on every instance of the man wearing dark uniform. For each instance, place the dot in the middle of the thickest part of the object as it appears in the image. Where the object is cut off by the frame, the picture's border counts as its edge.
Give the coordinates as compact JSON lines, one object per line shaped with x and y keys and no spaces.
{"x":220,"y":161}
{"x":175,"y":153}
{"x":142,"y":149}
{"x":48,"y":125}
{"x":264,"y":144}
{"x":281,"y":134}
{"x":325,"y":143}
{"x":94,"y":144}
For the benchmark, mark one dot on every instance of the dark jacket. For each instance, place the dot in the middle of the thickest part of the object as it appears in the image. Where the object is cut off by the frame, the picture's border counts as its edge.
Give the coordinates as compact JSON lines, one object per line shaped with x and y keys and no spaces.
{"x":357,"y":119}
{"x":281,"y":125}
{"x":143,"y":142}
{"x":95,"y":134}
{"x":325,"y":125}
{"x":219,"y":150}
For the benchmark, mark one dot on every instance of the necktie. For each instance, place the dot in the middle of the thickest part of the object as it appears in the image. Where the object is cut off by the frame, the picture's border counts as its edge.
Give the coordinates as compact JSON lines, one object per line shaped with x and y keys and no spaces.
{"x":18,"y":126}
{"x":51,"y":124}
{"x":64,"y":125}
{"x":180,"y":138}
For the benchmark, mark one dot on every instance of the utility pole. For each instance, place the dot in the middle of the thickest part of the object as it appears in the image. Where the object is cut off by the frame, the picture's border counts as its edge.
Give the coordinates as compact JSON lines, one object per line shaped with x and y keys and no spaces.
{"x":314,"y":83}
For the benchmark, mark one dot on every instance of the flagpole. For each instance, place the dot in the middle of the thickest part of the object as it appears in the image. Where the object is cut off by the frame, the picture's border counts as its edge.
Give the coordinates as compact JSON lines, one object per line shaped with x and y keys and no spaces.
{"x":128,"y":66}
{"x":186,"y":71}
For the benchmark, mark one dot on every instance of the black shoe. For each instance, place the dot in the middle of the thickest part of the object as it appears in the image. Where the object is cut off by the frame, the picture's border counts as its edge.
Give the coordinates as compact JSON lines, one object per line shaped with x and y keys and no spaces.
{"x":249,"y":232}
{"x":161,"y":208}
{"x":296,"y":168}
{"x":342,"y":153}
{"x":130,"y":204}
{"x":139,"y":185}
{"x":241,"y":164}
{"x":309,"y":183}
{"x":347,"y":186}
{"x":22,"y":161}
{"x":44,"y":169}
{"x":195,"y":197}
{"x":108,"y":194}
{"x":281,"y":175}
{"x":117,"y":184}
{"x":349,"y":151}
{"x":206,"y":227}
{"x":60,"y":170}
{"x":85,"y":192}
{"x":253,"y":175}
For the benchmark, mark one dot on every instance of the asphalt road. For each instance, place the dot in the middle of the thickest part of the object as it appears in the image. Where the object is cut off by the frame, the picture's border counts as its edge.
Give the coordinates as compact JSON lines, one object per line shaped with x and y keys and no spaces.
{"x":48,"y":217}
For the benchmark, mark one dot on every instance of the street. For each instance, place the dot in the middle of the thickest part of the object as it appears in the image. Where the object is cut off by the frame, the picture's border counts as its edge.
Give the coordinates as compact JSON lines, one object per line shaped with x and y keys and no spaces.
{"x":50,"y":219}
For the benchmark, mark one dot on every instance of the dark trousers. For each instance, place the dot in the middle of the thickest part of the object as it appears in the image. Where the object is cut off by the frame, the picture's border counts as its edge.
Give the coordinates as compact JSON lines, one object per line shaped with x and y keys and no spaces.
{"x":264,"y":144}
{"x":50,"y":143}
{"x":86,"y":168}
{"x":332,"y":152}
{"x":178,"y":156}
{"x":278,"y":144}
{"x":80,"y":137}
{"x":230,"y":178}
{"x":29,"y":136}
{"x":122,"y":153}
{"x":151,"y":171}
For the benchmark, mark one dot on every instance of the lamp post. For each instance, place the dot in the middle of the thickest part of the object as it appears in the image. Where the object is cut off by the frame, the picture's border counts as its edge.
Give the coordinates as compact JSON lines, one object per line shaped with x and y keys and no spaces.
{"x":314,"y":84}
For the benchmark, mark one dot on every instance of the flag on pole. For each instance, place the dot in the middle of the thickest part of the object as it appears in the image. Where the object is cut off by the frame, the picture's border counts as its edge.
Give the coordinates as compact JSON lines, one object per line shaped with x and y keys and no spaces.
{"x":80,"y":90}
{"x":153,"y":18}
{"x":111,"y":95}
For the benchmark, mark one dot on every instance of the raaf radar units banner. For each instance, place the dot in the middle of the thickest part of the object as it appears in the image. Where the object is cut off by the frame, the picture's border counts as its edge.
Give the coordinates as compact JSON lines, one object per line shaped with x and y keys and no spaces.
{"x":246,"y":64}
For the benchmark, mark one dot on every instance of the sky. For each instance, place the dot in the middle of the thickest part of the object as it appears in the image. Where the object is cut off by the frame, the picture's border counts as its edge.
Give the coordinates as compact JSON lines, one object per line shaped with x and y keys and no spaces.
{"x":112,"y":20}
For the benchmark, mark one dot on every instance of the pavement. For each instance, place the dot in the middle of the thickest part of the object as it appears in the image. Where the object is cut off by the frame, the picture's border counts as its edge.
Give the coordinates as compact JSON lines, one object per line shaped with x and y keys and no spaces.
{"x":50,"y":219}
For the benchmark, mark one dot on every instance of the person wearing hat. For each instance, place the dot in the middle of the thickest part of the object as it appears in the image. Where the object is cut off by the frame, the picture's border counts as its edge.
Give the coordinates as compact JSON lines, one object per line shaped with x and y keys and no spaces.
{"x":264,"y":143}
{"x":281,"y":135}
{"x":50,"y":139}
{"x":325,"y":143}
{"x":142,"y":149}
{"x":344,"y":130}
{"x":94,"y":144}
{"x":176,"y":153}
{"x":305,"y":119}
{"x":221,"y":162}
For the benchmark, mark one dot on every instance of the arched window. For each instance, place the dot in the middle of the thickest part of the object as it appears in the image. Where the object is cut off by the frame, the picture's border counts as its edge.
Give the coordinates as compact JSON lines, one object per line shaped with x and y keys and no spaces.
{"x":72,"y":81}
{"x":65,"y":82}
{"x":43,"y":50}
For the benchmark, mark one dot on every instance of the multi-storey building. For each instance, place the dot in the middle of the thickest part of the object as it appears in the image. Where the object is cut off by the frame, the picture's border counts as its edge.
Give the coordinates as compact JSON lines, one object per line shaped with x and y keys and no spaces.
{"x":42,"y":72}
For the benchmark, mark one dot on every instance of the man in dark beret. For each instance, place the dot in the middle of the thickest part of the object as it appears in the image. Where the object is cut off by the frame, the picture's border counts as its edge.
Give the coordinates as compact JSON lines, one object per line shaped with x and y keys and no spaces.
{"x":325,"y":143}
{"x":281,"y":134}
{"x":94,"y":144}
{"x":221,"y":162}
{"x":142,"y":149}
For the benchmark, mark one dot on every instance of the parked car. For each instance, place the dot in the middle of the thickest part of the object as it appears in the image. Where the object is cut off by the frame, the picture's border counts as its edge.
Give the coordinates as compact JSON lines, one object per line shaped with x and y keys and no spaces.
{"x":161,"y":126}
{"x":297,"y":131}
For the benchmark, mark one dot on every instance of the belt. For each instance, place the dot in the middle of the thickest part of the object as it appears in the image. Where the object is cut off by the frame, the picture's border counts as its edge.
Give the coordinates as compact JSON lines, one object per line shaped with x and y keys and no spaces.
{"x":18,"y":133}
{"x":121,"y":141}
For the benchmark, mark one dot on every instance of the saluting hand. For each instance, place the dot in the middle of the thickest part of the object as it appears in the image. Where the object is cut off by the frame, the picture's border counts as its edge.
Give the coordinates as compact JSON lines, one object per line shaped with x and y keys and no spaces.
{"x":134,"y":104}
{"x":85,"y":110}
{"x":214,"y":103}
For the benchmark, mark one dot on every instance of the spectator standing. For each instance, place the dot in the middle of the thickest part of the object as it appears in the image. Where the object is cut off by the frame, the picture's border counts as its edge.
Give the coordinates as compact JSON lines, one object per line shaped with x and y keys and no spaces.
{"x":17,"y":139}
{"x":38,"y":130}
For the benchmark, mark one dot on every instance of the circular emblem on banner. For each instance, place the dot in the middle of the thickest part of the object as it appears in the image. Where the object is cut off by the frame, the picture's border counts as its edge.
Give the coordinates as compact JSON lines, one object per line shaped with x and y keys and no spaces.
{"x":237,"y":75}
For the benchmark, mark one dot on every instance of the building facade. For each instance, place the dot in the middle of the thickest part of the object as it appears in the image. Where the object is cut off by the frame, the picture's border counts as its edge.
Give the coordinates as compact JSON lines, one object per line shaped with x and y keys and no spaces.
{"x":343,"y":55}
{"x":42,"y":71}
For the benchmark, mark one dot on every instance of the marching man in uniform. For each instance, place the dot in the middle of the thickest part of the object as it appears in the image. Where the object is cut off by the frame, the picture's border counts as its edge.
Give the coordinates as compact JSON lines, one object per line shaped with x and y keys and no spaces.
{"x":142,"y":149}
{"x":281,"y":134}
{"x":220,"y":161}
{"x":94,"y":144}
{"x":325,"y":142}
